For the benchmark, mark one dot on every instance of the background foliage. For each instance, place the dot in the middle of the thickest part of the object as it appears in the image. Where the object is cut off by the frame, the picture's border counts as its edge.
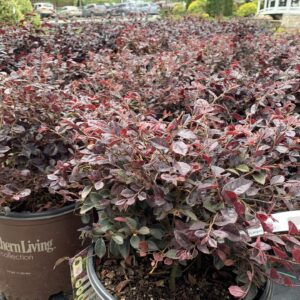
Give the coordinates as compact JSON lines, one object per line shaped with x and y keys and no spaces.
{"x":247,"y":9}
{"x":10,"y":12}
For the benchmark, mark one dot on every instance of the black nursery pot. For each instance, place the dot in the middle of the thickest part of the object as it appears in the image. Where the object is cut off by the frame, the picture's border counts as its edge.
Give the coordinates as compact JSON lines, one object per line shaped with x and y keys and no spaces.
{"x":96,"y":284}
{"x":30,"y":245}
{"x":103,"y":294}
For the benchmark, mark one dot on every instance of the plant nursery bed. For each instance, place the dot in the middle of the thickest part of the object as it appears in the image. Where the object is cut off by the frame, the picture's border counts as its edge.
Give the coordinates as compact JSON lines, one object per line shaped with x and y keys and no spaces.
{"x":176,"y":136}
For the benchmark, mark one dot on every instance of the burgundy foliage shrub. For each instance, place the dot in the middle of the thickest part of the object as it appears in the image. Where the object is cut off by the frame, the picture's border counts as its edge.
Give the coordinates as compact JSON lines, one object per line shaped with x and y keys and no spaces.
{"x":183,"y":134}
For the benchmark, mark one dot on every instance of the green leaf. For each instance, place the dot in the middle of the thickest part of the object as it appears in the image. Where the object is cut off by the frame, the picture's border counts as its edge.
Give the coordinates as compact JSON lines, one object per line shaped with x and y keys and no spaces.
{"x":86,"y":207}
{"x":152,"y":245}
{"x":157,"y":233}
{"x":189,"y":214}
{"x":243,"y":168}
{"x":95,"y":197}
{"x":102,"y":229}
{"x":124,"y":249}
{"x":260,"y":177}
{"x":131,"y":222}
{"x":172,"y":254}
{"x":125,"y":230}
{"x":118,"y":239}
{"x":86,"y":192}
{"x":212,"y":206}
{"x":100,"y":248}
{"x":233,"y":171}
{"x":85,"y":219}
{"x":114,"y":248}
{"x":144,"y":230}
{"x":134,"y":241}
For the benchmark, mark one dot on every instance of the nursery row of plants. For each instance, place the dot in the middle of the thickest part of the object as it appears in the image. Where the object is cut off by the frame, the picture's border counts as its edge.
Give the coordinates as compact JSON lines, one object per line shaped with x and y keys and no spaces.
{"x":216,"y":8}
{"x":179,"y":134}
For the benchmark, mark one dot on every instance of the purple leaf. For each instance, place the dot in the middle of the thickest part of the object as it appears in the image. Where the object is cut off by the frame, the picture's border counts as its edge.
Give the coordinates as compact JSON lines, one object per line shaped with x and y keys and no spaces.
{"x":228,"y":216}
{"x":238,"y":186}
{"x":180,"y":147}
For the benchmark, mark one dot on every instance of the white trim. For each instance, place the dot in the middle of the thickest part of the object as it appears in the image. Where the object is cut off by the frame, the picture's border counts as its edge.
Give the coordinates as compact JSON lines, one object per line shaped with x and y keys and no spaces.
{"x":268,"y":10}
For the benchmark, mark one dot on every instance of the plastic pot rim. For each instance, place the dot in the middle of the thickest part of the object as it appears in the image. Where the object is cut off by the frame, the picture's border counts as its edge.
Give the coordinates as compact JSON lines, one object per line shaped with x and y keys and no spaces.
{"x":96,"y":284}
{"x":102,"y":292}
{"x":38,"y":215}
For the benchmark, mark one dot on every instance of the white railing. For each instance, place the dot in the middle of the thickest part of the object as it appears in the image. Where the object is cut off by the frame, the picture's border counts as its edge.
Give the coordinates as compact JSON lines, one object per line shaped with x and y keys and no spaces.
{"x":272,"y":7}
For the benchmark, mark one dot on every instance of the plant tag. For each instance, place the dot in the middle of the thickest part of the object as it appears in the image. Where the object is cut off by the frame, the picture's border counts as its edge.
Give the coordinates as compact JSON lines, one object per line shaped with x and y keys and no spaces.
{"x":77,"y":266}
{"x":82,"y":289}
{"x":279,"y":225}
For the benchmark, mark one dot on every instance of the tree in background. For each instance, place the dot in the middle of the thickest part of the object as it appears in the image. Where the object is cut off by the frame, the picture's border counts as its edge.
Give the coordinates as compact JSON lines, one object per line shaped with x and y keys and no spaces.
{"x":187,"y":4}
{"x":215,"y":7}
{"x":228,"y":8}
{"x":25,"y":6}
{"x":10,"y":12}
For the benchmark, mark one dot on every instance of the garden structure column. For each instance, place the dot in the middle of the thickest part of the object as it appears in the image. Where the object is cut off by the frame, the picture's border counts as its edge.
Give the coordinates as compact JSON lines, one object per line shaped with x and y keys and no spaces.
{"x":288,"y":5}
{"x":265,"y":4}
{"x":258,"y":6}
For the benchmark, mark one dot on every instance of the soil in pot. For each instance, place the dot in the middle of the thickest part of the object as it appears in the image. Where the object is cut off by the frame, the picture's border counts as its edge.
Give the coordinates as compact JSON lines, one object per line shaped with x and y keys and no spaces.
{"x":136,"y":282}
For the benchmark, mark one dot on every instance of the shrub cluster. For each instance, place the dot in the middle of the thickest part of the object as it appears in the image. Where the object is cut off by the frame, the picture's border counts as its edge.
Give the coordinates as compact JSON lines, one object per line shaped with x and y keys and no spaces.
{"x":14,"y":11}
{"x":180,"y":134}
{"x":247,"y":9}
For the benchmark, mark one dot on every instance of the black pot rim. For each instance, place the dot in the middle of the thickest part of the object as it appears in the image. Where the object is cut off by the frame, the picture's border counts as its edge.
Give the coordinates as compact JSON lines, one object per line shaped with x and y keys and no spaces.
{"x":38,"y":215}
{"x":102,"y":292}
{"x":96,"y":284}
{"x":267,"y":291}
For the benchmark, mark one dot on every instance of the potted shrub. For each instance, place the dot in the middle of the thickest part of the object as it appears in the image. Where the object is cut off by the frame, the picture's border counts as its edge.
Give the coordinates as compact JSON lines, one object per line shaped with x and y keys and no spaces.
{"x":37,"y":221}
{"x":174,"y":193}
{"x":179,"y":169}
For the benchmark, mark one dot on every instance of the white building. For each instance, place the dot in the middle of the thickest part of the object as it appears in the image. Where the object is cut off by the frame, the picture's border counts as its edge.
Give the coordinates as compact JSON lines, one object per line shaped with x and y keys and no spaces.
{"x":278,"y":7}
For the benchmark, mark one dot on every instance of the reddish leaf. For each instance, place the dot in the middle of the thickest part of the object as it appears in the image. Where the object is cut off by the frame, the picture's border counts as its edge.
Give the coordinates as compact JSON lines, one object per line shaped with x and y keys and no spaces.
{"x":207,"y":158}
{"x":236,"y":291}
{"x":296,"y":254}
{"x":158,"y":257}
{"x":229,"y":196}
{"x":268,"y":227}
{"x":293,"y":228}
{"x":120,"y":219}
{"x":287,"y":281}
{"x":250,"y":275}
{"x":274,"y":274}
{"x":143,"y":246}
{"x":228,"y":262}
{"x":279,"y":252}
{"x":168,"y":261}
{"x":239,"y":208}
{"x":262,"y":217}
